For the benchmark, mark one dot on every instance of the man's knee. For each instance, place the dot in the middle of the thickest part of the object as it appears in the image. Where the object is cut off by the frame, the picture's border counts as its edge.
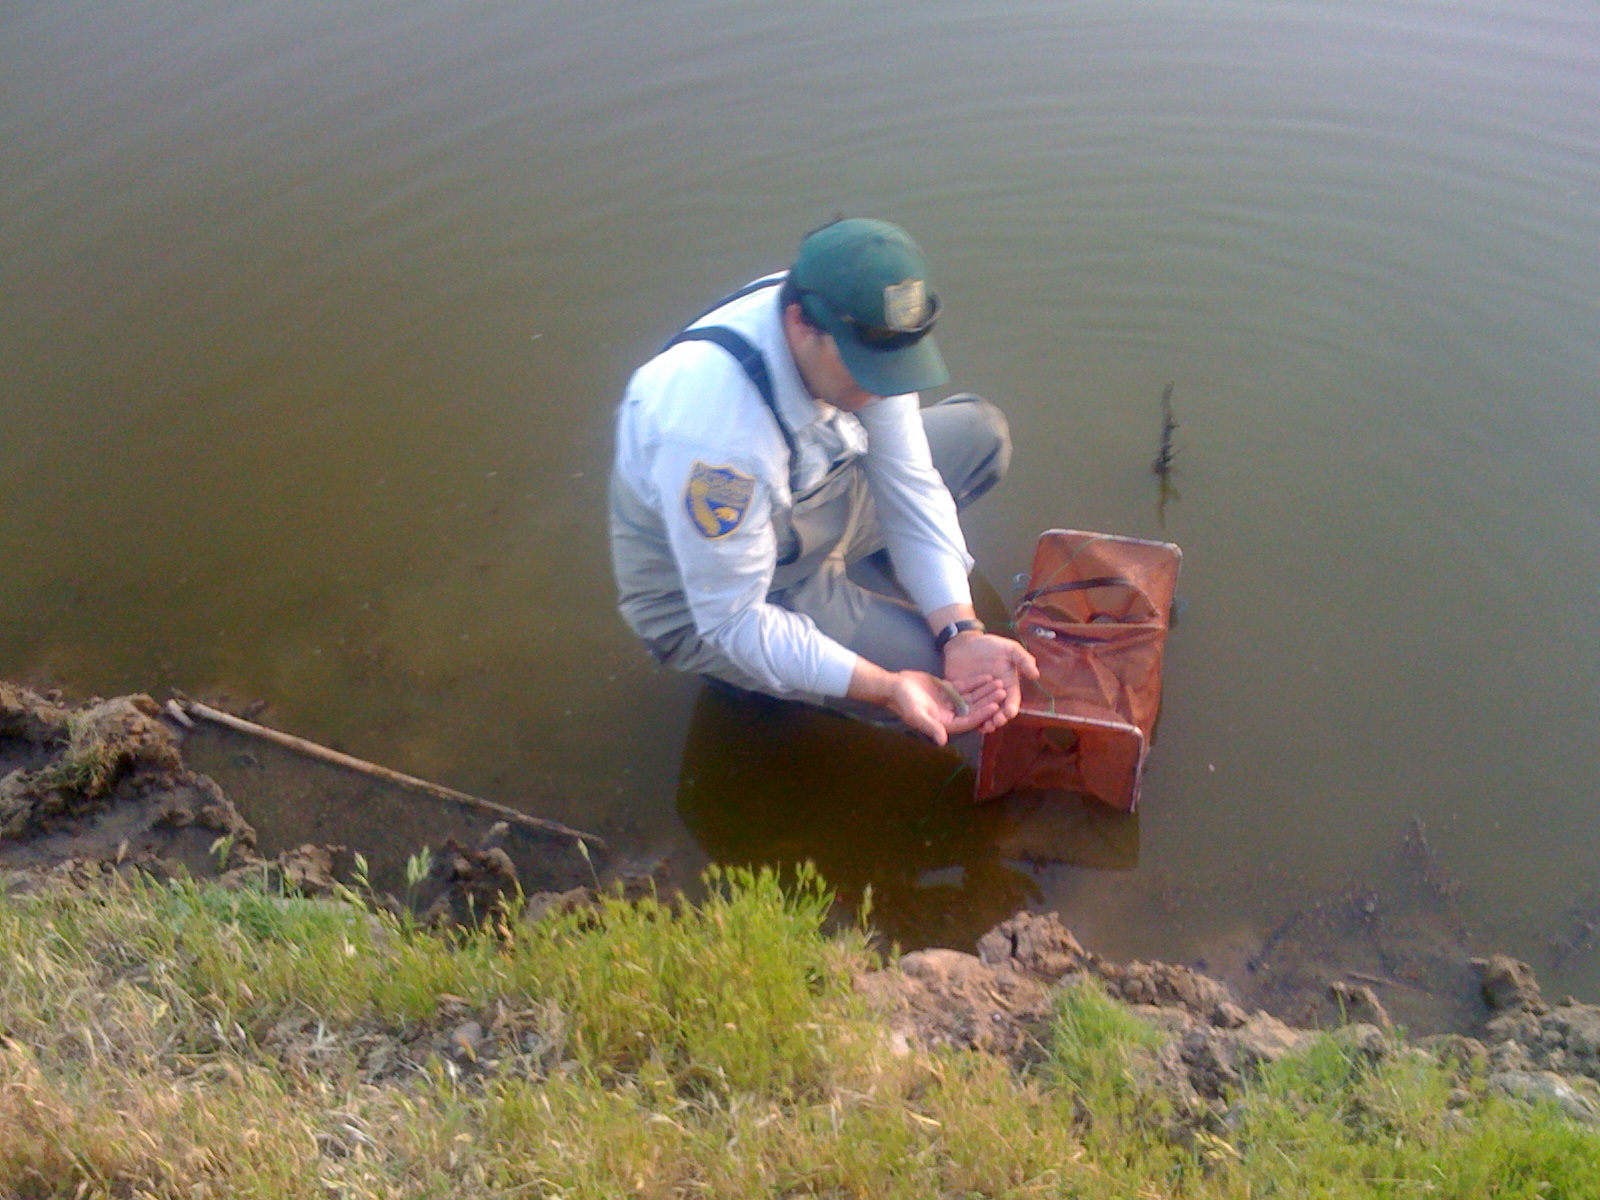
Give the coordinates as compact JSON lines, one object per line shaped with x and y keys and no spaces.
{"x":970,"y":439}
{"x":896,"y":637}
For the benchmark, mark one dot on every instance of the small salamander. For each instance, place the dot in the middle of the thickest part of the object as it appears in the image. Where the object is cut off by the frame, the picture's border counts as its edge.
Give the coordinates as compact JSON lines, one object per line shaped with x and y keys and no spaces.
{"x":957,"y":700}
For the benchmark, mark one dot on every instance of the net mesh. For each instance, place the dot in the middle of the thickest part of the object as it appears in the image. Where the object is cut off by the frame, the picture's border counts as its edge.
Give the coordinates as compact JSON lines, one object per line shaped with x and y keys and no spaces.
{"x":1095,"y":618}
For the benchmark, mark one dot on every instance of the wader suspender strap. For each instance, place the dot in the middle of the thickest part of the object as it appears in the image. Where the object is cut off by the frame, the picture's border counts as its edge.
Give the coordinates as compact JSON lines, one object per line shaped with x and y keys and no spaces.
{"x":747,"y":356}
{"x":755,"y":366}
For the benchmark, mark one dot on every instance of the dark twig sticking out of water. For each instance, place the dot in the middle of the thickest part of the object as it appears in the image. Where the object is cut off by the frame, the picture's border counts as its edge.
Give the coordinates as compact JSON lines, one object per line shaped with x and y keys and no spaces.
{"x":1162,"y":465}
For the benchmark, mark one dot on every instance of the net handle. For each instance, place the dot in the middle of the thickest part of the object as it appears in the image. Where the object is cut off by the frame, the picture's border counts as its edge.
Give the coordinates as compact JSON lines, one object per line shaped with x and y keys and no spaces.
{"x":1077,"y":585}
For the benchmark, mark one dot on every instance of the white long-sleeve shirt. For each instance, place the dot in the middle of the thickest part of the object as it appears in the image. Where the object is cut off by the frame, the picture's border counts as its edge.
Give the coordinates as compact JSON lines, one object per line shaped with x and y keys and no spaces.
{"x":699,"y":451}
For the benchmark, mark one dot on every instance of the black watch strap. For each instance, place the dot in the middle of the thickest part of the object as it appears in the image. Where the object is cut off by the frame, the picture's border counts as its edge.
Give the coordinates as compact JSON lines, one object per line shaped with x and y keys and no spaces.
{"x":942,"y":638}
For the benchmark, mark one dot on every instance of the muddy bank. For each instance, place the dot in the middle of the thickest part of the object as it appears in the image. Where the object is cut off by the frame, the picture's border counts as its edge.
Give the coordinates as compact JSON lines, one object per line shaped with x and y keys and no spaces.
{"x":1401,"y":937}
{"x":1000,"y":1000}
{"x":104,"y":785}
{"x":109,"y":786}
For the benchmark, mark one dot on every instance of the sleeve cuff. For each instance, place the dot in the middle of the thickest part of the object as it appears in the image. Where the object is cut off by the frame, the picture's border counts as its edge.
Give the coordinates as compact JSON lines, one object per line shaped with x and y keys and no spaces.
{"x":944,"y":585}
{"x":835,"y":671}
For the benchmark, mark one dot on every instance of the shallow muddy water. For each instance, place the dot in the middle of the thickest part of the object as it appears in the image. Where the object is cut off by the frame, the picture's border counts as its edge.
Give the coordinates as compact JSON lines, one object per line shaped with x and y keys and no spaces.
{"x":312,"y":320}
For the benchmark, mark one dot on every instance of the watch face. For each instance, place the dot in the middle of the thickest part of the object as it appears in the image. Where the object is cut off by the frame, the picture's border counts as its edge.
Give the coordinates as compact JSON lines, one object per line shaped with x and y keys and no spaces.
{"x":944,"y":635}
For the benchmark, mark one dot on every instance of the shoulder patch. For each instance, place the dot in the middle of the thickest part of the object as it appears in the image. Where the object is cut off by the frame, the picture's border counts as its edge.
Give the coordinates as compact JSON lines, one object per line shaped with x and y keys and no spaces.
{"x":717,"y":499}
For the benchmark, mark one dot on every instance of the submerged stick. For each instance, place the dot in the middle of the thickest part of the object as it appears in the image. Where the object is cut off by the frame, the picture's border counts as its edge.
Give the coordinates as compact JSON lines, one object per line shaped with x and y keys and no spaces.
{"x":313,"y":750}
{"x":1375,"y":980}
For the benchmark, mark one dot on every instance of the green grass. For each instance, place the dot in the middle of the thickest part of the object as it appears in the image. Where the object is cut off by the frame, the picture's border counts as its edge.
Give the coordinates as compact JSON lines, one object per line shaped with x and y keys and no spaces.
{"x":185,"y":1040}
{"x":1094,"y":1041}
{"x":1339,"y":1129}
{"x":88,"y":764}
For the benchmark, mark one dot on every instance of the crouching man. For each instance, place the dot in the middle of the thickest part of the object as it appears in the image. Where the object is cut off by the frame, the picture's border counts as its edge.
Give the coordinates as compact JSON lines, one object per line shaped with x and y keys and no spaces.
{"x":784,"y":515}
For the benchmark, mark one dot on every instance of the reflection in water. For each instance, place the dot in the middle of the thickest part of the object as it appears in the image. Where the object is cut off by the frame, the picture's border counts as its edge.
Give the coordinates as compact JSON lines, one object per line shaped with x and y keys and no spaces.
{"x":767,"y":781}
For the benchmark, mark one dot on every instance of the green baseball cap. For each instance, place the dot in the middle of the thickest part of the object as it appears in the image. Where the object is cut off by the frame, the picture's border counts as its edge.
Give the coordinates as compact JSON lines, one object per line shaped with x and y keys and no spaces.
{"x":866,"y":283}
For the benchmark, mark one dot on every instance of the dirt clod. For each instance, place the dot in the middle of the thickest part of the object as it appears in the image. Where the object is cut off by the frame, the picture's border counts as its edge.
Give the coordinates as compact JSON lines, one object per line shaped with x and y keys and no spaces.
{"x":308,"y":870}
{"x":1040,"y":946}
{"x":462,"y":886}
{"x":1508,"y":984}
{"x":1546,"y":1087}
{"x":104,"y":783}
{"x":1165,"y":985}
{"x":31,"y":717}
{"x":1358,"y":1002}
{"x":465,"y":1039}
{"x":947,"y":998}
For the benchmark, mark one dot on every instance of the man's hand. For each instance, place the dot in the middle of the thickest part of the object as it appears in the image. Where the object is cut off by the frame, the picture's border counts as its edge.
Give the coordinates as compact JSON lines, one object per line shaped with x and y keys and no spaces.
{"x":926,"y":703}
{"x":969,"y":657}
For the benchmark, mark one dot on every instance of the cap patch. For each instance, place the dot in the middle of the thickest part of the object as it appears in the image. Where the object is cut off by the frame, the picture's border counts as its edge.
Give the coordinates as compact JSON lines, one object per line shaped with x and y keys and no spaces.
{"x":717,"y":499}
{"x":905,"y":305}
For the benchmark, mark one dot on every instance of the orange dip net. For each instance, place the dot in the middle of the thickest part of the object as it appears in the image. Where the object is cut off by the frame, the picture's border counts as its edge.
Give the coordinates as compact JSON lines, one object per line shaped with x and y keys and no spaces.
{"x":1095,"y":618}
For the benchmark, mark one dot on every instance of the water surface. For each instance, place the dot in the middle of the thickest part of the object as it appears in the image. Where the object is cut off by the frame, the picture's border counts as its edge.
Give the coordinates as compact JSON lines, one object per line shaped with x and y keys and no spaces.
{"x":312,"y":320}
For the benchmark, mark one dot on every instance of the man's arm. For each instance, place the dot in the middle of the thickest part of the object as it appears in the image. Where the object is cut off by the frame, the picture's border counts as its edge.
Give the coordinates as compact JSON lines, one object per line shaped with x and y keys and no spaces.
{"x":929,"y":551}
{"x":726,"y":575}
{"x":915,"y":509}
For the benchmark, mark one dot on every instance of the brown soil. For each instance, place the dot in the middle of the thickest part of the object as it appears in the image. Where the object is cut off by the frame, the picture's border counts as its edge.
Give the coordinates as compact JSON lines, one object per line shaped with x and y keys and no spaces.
{"x":108,"y":786}
{"x":105,"y":786}
{"x":104,"y":783}
{"x":1207,"y":1043}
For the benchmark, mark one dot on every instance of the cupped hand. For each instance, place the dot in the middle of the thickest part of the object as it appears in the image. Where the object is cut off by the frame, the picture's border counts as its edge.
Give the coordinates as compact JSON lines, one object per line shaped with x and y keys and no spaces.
{"x":972,"y":657}
{"x":930,"y":706}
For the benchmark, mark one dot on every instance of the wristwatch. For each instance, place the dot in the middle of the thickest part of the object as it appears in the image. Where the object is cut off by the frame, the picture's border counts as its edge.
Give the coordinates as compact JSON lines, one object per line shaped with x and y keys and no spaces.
{"x":970,"y":625}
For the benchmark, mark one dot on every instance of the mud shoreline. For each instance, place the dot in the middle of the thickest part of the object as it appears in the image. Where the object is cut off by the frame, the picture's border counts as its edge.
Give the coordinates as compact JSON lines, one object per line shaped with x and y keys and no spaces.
{"x":104,"y":788}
